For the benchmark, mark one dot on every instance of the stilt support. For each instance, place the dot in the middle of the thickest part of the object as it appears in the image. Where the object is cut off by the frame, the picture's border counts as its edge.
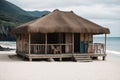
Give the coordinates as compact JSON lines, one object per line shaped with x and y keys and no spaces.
{"x":104,"y":57}
{"x":60,"y":59}
{"x":30,"y":59}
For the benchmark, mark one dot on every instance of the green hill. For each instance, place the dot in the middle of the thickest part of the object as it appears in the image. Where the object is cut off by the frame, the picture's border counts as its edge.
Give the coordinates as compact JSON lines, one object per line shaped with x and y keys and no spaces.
{"x":38,"y":13}
{"x":12,"y":16}
{"x":12,"y":11}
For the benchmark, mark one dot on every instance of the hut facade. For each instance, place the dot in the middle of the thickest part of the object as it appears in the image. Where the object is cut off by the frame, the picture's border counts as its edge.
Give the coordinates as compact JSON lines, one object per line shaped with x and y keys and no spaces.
{"x":60,"y":35}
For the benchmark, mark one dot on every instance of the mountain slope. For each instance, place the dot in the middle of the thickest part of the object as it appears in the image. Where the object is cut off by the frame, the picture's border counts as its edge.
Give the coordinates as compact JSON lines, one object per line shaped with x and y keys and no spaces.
{"x":9,"y":9}
{"x":38,"y":13}
{"x":11,"y":16}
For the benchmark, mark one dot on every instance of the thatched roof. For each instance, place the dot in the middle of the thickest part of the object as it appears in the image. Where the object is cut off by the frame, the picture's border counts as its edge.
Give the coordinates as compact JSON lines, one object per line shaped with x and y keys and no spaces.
{"x":60,"y":21}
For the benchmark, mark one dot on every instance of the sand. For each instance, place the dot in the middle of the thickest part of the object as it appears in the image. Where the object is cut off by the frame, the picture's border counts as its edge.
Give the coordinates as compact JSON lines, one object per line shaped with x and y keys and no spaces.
{"x":17,"y":69}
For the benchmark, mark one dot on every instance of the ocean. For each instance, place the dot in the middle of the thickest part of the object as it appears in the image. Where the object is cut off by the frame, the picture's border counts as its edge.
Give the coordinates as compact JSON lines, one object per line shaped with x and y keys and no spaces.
{"x":9,"y":44}
{"x":113,"y":44}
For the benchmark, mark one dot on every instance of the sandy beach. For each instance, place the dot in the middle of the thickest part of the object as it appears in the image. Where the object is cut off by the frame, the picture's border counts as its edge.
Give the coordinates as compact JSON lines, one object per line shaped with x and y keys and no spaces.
{"x":17,"y":69}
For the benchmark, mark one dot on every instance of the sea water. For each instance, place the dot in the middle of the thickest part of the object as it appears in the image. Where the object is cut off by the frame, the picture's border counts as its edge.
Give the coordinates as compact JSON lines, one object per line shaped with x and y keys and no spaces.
{"x":112,"y":43}
{"x":8,"y":44}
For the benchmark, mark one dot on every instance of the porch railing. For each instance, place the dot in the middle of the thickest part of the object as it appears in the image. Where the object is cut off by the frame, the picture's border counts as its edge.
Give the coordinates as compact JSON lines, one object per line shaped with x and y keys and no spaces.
{"x":97,"y":48}
{"x":50,"y":48}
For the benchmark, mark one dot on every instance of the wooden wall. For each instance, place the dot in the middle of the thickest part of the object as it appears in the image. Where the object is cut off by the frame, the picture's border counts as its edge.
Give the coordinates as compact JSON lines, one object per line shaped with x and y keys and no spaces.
{"x":85,"y":39}
{"x":68,"y":40}
{"x":22,"y":43}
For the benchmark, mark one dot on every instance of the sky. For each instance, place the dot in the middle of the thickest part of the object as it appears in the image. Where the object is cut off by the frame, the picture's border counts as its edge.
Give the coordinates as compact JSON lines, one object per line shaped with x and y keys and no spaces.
{"x":103,"y":12}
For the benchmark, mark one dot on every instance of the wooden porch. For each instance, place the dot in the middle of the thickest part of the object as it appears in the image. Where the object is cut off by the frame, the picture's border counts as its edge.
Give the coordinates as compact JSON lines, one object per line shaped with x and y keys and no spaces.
{"x":61,"y":56}
{"x":63,"y":45}
{"x":42,"y":51}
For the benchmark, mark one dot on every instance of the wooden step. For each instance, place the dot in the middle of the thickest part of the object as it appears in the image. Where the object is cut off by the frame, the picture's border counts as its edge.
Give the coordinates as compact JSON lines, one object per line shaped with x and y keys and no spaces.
{"x":82,"y":58}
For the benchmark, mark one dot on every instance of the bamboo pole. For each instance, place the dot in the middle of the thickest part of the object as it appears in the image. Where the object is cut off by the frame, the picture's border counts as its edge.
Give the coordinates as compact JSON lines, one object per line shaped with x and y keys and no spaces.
{"x":16,"y":44}
{"x":20,"y":43}
{"x":73,"y":43}
{"x":105,"y":43}
{"x":84,"y":42}
{"x":105,"y":47}
{"x":46,"y":43}
{"x":30,"y":59}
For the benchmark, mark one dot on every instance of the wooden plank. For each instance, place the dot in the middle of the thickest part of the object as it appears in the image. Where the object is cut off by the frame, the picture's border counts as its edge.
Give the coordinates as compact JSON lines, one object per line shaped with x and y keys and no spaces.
{"x":68,"y":42}
{"x":72,"y":43}
{"x":29,"y":43}
{"x":22,"y":42}
{"x":105,"y":43}
{"x":92,"y":54}
{"x":46,"y":43}
{"x":52,"y":44}
{"x":86,"y":37}
{"x":85,"y":43}
{"x":50,"y":56}
{"x":30,"y":59}
{"x":91,"y":38}
{"x":17,"y":41}
{"x":63,"y":55}
{"x":81,"y":37}
{"x":42,"y":56}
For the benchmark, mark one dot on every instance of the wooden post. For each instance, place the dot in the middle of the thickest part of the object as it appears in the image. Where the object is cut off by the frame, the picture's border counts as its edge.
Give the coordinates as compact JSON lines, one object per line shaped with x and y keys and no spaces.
{"x":105,"y":43}
{"x":30,"y":59}
{"x":72,"y":43}
{"x":16,"y":44}
{"x":105,"y":47}
{"x":45,"y":43}
{"x":60,"y":59}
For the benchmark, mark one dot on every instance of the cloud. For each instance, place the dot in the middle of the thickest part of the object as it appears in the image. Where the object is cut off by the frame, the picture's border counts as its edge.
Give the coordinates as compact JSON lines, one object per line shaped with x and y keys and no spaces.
{"x":88,"y":8}
{"x":43,"y":4}
{"x":103,"y":12}
{"x":96,"y":11}
{"x":113,"y":25}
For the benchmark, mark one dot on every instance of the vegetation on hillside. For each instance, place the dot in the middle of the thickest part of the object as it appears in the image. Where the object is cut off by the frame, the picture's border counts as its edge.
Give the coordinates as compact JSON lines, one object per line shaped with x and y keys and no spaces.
{"x":12,"y":16}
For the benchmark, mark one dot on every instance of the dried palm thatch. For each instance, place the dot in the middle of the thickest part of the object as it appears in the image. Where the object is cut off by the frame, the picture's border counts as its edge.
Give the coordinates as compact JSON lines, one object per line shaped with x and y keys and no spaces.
{"x":60,"y":21}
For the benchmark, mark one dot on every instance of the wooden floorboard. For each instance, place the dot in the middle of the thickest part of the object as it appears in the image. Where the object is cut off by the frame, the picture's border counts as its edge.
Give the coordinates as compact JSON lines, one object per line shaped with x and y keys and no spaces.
{"x":66,"y":55}
{"x":50,"y":55}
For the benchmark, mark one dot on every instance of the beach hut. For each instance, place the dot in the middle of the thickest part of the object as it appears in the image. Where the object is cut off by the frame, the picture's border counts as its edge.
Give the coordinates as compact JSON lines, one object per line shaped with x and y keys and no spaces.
{"x":60,"y":35}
